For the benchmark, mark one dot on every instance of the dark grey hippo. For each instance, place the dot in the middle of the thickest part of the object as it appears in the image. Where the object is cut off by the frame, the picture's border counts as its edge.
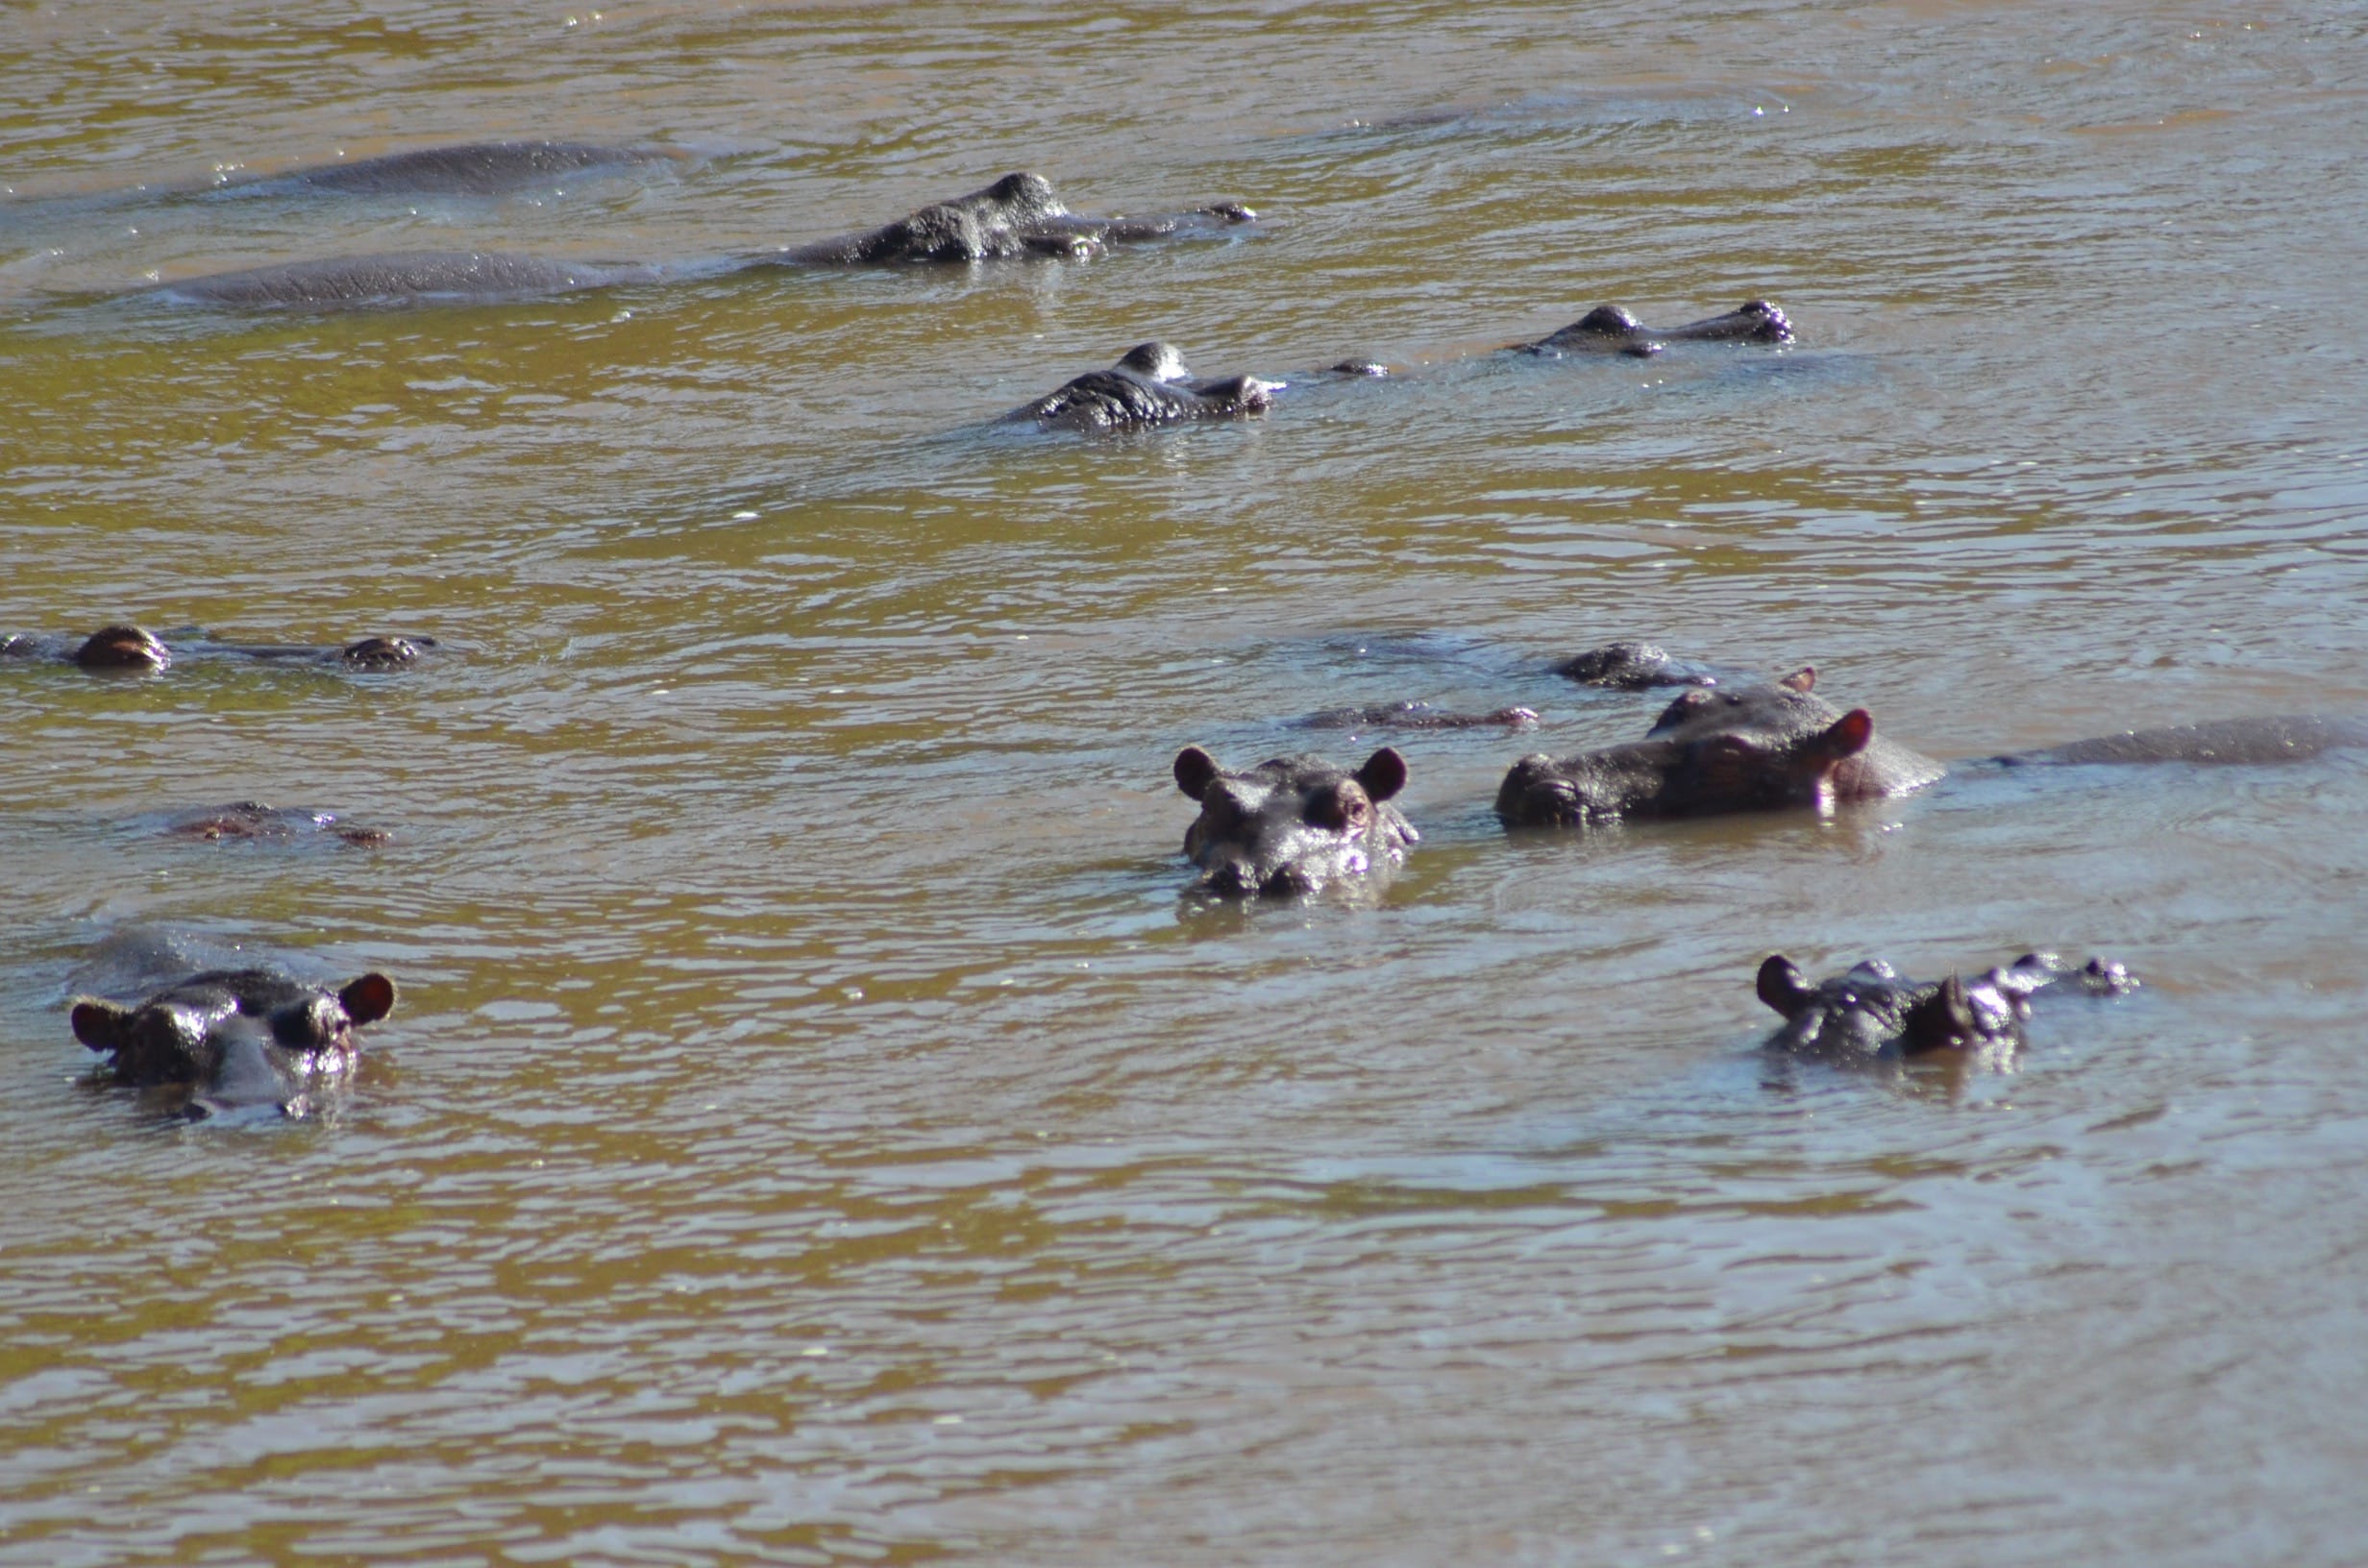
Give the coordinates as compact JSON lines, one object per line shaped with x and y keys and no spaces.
{"x":1633,"y":666}
{"x":1291,"y":825}
{"x":1870,"y":1014}
{"x":1149,"y":385}
{"x":223,"y":1038}
{"x":1714,"y":751}
{"x":1607,"y":329}
{"x":140,"y":651}
{"x":1416,"y":715}
{"x":1018,"y":215}
{"x":1777,"y":743}
{"x":478,"y":168}
{"x":251,"y":821}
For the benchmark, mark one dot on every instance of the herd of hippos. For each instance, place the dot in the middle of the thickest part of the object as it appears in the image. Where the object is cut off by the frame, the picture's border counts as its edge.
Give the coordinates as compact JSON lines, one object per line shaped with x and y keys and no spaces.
{"x":1289,"y":827}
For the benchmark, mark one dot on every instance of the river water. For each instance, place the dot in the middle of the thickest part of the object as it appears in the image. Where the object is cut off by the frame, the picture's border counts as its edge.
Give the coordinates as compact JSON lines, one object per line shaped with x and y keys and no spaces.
{"x":813,"y":1129}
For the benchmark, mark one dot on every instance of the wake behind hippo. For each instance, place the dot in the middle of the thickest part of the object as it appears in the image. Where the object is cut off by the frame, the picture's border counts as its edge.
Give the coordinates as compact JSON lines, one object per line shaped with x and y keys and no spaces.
{"x":478,"y":168}
{"x":1018,"y":215}
{"x":1149,"y":385}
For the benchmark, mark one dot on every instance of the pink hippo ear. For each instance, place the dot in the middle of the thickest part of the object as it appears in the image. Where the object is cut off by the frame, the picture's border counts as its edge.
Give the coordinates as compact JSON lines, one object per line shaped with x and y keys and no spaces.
{"x":1803,"y":680}
{"x":1383,"y":775}
{"x":1195,"y":770}
{"x":368,"y":999}
{"x":99,"y":1025}
{"x":1848,"y":735}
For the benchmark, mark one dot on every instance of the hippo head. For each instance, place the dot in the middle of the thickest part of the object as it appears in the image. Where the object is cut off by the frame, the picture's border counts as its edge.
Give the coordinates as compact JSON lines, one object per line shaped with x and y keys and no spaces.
{"x":1869,"y":1011}
{"x":1292,"y":824}
{"x":1155,"y":362}
{"x":382,"y":653}
{"x":123,"y":647}
{"x":185,"y":1033}
{"x":1750,"y":770}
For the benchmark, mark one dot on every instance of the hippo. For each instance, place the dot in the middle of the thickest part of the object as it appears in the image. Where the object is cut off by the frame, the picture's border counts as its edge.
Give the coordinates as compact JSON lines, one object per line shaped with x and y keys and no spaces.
{"x":1870,"y":1014}
{"x":1148,"y":386}
{"x":1777,"y":743}
{"x":1018,"y":215}
{"x":1291,"y":825}
{"x":221,"y":1039}
{"x":478,"y":168}
{"x":1416,"y":715}
{"x":1714,"y":751}
{"x":1628,"y":666}
{"x":1607,"y":329}
{"x":251,"y":821}
{"x":140,"y":651}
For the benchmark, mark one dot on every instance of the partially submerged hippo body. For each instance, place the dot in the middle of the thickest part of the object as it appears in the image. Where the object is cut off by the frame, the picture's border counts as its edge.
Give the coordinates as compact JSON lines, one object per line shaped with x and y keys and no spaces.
{"x":1018,"y":215}
{"x":1777,"y":743}
{"x":1717,"y":749}
{"x":140,"y":651}
{"x":251,"y":821}
{"x":1870,"y":1014}
{"x":1291,"y":825}
{"x":1149,"y":385}
{"x":479,"y":169}
{"x":1633,"y":666}
{"x":1609,"y":329}
{"x":1416,"y":715}
{"x":225,"y":1038}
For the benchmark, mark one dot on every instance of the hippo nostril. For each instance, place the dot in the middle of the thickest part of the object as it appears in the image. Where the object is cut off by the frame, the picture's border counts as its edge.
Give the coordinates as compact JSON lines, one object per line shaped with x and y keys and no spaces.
{"x":1287,"y":882}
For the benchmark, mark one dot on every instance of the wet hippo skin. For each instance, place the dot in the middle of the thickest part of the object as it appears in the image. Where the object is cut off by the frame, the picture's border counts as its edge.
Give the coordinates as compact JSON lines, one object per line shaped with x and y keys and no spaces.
{"x":233,"y":1037}
{"x":1149,"y":386}
{"x":1869,"y":1013}
{"x":1609,"y":329}
{"x":1291,"y":825}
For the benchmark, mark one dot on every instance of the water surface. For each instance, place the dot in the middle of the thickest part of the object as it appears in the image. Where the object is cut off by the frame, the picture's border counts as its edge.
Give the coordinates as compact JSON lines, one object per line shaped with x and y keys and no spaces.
{"x":813,"y":1130}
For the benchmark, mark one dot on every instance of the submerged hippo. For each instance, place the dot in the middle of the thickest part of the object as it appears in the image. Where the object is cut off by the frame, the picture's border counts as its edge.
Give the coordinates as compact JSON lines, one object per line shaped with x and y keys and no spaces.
{"x":251,"y":821}
{"x":478,"y":168}
{"x":1870,"y":1014}
{"x":1416,"y":715}
{"x":1292,"y":824}
{"x":1018,"y":215}
{"x":1607,"y":329}
{"x":1149,"y":385}
{"x":1777,"y":743}
{"x":142,"y":651}
{"x":1633,"y":666}
{"x":1714,"y":751}
{"x":225,"y":1038}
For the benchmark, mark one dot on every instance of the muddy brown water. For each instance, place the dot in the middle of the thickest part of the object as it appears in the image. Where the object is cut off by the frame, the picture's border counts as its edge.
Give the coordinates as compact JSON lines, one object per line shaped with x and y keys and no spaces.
{"x":812,"y":1129}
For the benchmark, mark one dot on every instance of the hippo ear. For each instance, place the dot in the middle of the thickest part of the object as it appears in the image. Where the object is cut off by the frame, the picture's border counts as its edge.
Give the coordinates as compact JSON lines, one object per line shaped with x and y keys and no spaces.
{"x":1195,"y":770}
{"x":1782,"y":985}
{"x":1803,"y":680}
{"x":99,"y":1025}
{"x":368,"y":999}
{"x":1848,"y":735}
{"x":1383,"y":775}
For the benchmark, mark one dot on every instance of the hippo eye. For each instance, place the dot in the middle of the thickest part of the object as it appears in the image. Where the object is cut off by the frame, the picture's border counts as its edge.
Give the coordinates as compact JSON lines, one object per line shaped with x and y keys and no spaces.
{"x":1344,"y":808}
